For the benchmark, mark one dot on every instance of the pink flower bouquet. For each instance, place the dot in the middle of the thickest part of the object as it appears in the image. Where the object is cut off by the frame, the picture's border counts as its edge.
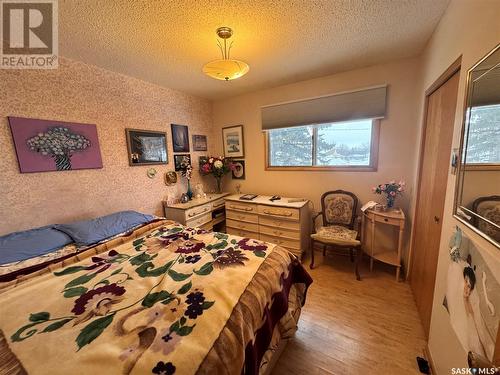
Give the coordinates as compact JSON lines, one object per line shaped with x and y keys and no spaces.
{"x":218,"y":167}
{"x":391,"y":190}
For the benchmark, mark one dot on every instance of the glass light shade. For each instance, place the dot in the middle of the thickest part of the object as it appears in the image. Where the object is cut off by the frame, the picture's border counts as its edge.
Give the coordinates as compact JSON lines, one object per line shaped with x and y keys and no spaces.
{"x":226,"y":70}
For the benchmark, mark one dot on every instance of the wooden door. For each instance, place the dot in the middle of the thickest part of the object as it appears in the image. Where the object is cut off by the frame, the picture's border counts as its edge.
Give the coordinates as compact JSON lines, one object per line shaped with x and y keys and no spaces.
{"x":434,"y":166}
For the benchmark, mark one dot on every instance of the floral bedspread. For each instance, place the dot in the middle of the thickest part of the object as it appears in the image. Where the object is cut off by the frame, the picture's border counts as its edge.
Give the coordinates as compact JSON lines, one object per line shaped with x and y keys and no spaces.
{"x":155,"y":304}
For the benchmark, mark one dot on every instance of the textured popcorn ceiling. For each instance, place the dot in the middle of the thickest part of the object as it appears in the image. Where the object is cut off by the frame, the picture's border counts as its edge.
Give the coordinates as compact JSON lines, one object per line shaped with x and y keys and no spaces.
{"x":167,"y":42}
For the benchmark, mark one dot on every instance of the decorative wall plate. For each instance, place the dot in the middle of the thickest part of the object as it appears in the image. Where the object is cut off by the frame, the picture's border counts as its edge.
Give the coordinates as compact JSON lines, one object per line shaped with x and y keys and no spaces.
{"x":151,"y":172}
{"x":170,"y":178}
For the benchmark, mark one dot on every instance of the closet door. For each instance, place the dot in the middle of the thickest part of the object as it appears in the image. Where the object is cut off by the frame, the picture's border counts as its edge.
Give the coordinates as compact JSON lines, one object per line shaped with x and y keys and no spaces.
{"x":434,"y":167}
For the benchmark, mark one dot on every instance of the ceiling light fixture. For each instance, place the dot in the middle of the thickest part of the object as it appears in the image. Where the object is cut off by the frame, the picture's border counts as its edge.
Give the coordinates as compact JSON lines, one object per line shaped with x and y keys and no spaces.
{"x":225,"y":69}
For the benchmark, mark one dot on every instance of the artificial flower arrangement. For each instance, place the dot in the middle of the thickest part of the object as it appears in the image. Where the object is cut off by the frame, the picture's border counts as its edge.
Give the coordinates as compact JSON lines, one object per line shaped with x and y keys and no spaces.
{"x":217,"y":167}
{"x":391,"y":189}
{"x":187,"y":173}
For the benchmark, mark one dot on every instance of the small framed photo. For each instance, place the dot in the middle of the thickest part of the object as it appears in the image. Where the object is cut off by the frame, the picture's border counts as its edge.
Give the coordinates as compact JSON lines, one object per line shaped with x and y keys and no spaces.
{"x":232,"y":139}
{"x":178,"y":159}
{"x":146,"y":147}
{"x":238,"y":173}
{"x":180,"y":138}
{"x":199,"y":143}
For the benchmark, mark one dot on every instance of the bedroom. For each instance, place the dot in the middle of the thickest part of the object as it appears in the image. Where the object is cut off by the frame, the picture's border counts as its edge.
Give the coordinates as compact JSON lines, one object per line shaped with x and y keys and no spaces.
{"x":127,"y":120}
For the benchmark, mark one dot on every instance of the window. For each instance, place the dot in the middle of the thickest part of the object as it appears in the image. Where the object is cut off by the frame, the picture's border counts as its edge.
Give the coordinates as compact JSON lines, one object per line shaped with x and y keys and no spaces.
{"x":339,"y":145}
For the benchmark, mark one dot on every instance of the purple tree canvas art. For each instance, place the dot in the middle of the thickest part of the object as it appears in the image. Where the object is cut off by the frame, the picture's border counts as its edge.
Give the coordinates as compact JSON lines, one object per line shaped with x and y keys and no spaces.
{"x":44,"y":145}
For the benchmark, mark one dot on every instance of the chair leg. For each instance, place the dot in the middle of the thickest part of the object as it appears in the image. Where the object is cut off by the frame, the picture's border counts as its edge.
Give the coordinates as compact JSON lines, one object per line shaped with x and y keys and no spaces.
{"x":311,"y":266}
{"x":351,"y":255}
{"x":359,"y":257}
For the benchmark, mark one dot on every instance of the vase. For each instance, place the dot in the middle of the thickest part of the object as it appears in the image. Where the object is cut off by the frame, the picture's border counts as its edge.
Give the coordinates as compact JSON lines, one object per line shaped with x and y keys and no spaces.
{"x":390,"y":201}
{"x":219,"y":185}
{"x":189,"y":192}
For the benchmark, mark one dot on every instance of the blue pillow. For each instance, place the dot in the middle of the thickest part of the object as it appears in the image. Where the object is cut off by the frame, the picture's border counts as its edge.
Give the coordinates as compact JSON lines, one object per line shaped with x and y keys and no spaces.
{"x":31,"y":243}
{"x":90,"y":232}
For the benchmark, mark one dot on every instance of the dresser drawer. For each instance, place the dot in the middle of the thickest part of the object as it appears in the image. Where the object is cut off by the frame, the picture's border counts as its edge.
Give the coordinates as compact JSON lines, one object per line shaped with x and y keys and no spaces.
{"x":292,"y":244}
{"x":218,"y":204}
{"x":242,"y":225}
{"x":241,"y":207}
{"x":280,"y":232}
{"x":199,"y":210}
{"x":387,"y":220}
{"x":276,"y":222}
{"x":279,"y":212}
{"x":242,"y":233}
{"x":242,"y":216}
{"x":199,"y":220}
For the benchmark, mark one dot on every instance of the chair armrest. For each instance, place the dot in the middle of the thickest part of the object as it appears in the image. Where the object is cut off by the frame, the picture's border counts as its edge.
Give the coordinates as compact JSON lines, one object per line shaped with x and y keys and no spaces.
{"x":314,"y":217}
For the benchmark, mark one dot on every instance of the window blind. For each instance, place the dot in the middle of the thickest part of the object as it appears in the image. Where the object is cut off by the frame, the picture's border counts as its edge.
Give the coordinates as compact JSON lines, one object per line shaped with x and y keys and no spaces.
{"x":355,"y":105}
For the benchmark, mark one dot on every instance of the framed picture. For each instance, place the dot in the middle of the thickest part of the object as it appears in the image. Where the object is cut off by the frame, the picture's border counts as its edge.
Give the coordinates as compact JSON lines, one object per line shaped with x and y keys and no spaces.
{"x":178,"y":159}
{"x":232,"y":139}
{"x":180,"y":138}
{"x":238,"y":173}
{"x":146,"y":147}
{"x":199,"y":143}
{"x":49,"y":145}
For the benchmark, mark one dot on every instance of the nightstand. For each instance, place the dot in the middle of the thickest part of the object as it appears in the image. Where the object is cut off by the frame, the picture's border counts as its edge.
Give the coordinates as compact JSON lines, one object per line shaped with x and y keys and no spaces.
{"x":201,"y":212}
{"x":371,"y":242}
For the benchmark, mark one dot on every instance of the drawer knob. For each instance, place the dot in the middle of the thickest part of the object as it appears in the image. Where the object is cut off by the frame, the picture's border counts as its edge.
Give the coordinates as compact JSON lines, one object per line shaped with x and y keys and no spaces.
{"x":386,"y":220}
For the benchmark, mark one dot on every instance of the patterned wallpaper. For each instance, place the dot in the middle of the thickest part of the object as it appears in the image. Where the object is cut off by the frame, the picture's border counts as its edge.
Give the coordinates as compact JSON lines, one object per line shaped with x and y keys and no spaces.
{"x":88,"y":94}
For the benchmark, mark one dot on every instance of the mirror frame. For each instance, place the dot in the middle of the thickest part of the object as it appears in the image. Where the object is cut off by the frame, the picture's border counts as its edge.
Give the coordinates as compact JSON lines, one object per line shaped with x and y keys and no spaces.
{"x":460,"y":166}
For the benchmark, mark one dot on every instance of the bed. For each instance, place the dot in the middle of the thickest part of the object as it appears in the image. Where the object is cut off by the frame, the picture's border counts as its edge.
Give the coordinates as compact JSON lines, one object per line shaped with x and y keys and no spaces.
{"x":162,"y":299}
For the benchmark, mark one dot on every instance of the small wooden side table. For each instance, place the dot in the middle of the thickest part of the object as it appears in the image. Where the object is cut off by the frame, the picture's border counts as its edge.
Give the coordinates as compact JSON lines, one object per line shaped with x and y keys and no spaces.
{"x":371,"y":219}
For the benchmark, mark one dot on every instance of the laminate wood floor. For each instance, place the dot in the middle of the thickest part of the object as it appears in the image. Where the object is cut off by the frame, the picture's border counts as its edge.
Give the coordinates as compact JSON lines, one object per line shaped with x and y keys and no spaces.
{"x":354,"y":327}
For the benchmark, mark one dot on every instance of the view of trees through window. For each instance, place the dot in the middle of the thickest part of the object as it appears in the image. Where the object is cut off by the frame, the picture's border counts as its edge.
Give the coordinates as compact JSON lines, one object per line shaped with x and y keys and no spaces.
{"x":331,"y":144}
{"x":484,"y":135}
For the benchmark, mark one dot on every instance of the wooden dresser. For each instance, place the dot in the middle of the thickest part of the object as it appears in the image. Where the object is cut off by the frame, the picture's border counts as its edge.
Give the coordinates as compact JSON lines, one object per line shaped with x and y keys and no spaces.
{"x":202,"y":212}
{"x":280,"y":222}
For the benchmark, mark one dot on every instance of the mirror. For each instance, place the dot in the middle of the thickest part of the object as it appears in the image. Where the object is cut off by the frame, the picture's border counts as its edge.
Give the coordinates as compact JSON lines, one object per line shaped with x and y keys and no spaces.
{"x":477,"y":202}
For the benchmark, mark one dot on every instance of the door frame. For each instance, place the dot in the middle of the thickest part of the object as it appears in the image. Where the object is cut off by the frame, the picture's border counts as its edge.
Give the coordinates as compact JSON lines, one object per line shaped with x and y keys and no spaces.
{"x":442,"y":79}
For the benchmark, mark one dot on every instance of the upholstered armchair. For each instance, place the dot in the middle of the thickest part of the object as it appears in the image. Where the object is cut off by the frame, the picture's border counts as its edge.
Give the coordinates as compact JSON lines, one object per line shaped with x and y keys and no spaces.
{"x":340,"y":226}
